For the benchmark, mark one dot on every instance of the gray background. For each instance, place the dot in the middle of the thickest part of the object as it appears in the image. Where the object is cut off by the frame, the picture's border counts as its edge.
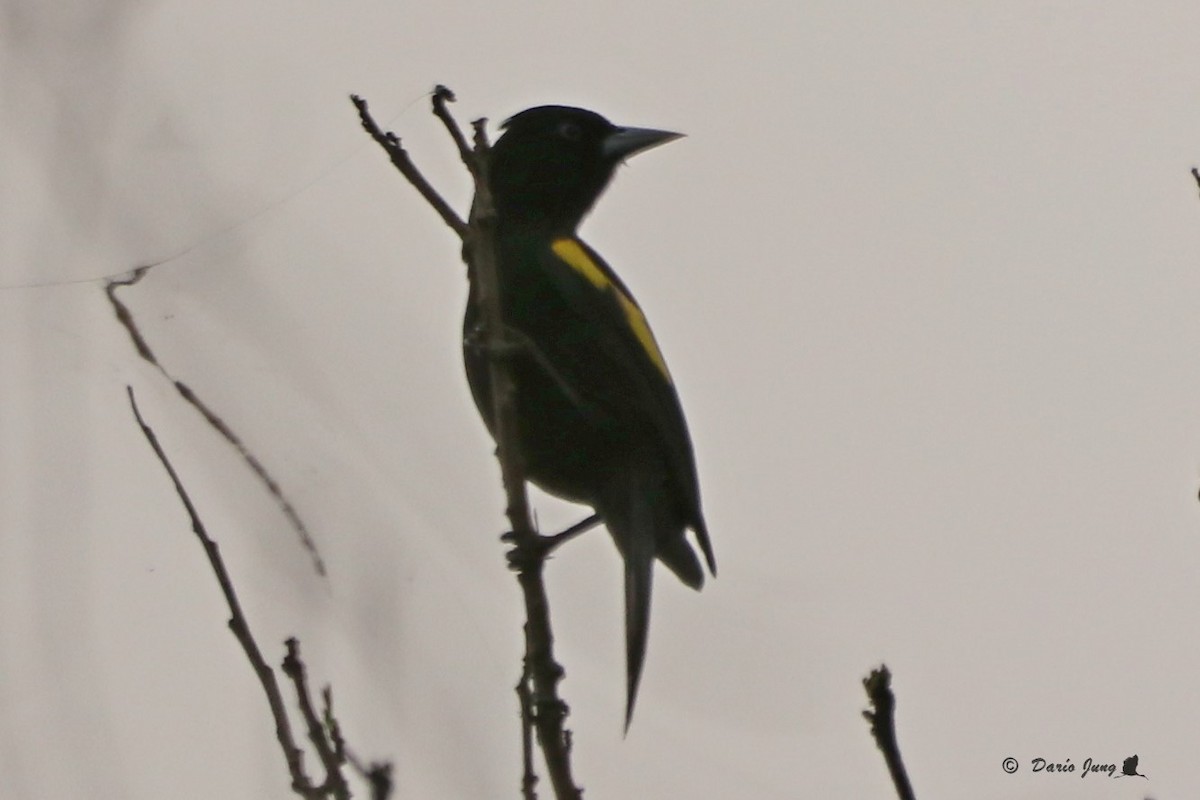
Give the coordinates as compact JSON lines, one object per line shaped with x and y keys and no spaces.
{"x":925,"y":274}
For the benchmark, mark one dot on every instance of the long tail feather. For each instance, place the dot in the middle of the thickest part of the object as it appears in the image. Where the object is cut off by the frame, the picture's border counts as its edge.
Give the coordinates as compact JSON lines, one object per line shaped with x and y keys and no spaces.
{"x":639,"y":574}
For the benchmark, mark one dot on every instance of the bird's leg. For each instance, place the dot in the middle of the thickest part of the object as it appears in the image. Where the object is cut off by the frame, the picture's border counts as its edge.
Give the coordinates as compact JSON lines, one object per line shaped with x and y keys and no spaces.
{"x":583,"y":525}
{"x":538,"y":547}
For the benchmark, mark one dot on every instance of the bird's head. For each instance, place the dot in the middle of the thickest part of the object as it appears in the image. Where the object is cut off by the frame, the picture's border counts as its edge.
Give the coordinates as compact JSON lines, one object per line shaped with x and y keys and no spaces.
{"x":553,"y":162}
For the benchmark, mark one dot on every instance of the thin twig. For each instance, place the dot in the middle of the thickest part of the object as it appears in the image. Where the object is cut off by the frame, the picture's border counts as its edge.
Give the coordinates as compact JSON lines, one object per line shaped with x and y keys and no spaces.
{"x":327,"y":750}
{"x":529,"y":777}
{"x":125,"y":317}
{"x":479,"y":126}
{"x":441,"y":96}
{"x":401,"y":161}
{"x":550,"y":712}
{"x":377,"y":774}
{"x":331,"y":723}
{"x":292,"y":754}
{"x":882,"y":716}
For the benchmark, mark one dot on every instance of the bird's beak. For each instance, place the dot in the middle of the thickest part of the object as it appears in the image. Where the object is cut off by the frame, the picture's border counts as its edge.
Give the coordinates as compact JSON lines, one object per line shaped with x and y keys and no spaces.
{"x":625,"y":142}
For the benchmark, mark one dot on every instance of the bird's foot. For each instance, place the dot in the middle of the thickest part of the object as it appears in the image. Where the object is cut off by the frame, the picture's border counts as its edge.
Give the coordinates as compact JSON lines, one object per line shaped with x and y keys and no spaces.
{"x":533,"y":548}
{"x":528,"y":550}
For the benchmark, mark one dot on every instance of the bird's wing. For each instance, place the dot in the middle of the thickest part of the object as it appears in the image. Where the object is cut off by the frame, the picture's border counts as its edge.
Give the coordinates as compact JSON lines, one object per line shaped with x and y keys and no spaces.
{"x":623,"y":341}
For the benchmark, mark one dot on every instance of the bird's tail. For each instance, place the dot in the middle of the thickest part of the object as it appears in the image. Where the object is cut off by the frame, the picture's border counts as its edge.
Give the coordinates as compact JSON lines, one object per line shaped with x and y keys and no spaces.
{"x":645,"y":525}
{"x":678,"y":555}
{"x":639,"y":522}
{"x":639,"y":575}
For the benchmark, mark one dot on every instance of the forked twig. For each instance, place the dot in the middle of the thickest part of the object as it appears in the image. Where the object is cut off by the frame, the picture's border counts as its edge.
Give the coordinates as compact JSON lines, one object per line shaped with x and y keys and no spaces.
{"x":325,"y":736}
{"x":237,"y":619}
{"x":390,"y":142}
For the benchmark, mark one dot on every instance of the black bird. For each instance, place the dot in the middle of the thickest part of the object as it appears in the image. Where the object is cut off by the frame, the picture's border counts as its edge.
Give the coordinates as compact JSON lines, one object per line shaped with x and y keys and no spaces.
{"x":599,"y":420}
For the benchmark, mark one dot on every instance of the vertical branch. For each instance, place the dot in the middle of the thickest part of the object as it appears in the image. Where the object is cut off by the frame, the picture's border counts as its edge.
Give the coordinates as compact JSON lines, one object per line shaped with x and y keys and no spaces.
{"x":882,"y":716}
{"x":480,"y":247}
{"x":541,"y":672}
{"x":549,"y":711}
{"x":525,"y":698}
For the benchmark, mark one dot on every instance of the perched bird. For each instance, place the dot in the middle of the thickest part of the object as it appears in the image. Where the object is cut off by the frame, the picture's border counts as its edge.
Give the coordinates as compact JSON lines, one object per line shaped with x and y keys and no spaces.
{"x":599,"y":421}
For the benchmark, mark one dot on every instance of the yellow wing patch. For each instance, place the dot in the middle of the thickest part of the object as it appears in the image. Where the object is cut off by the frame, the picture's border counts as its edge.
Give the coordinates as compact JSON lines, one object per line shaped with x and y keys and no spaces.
{"x":575,"y":257}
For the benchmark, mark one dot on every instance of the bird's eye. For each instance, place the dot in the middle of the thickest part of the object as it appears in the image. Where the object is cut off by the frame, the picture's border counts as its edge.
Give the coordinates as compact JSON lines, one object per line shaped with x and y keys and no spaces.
{"x":570,"y":131}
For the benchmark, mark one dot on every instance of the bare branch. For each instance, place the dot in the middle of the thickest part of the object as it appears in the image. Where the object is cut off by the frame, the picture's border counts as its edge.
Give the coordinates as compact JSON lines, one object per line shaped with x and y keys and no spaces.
{"x":442,"y":96}
{"x":479,"y":126}
{"x":541,"y":672}
{"x":882,"y":716}
{"x":125,"y":317}
{"x":550,"y":711}
{"x":529,"y":777}
{"x":377,"y":774}
{"x":335,"y":783}
{"x":237,"y":621}
{"x":400,"y":159}
{"x":324,"y":733}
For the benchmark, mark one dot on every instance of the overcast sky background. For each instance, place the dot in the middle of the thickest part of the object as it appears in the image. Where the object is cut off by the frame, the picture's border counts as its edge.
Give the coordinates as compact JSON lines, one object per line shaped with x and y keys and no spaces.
{"x":925,"y":274}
